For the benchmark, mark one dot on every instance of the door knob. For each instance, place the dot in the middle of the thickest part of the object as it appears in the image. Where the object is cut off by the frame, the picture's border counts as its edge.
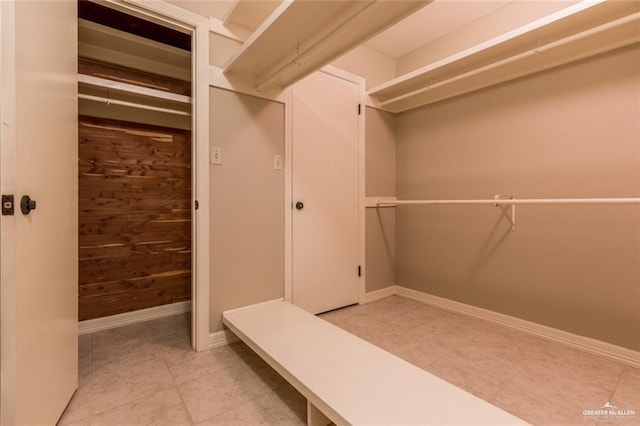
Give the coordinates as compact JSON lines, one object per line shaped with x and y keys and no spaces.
{"x":27,"y":204}
{"x":299,"y":205}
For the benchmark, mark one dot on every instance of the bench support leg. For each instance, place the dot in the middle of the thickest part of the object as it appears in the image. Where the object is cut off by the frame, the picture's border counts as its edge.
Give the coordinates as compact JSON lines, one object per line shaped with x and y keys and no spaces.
{"x":316,"y":417}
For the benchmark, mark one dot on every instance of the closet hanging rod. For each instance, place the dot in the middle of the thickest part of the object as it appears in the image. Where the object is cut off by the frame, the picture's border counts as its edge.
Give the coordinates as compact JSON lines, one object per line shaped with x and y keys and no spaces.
{"x":515,"y":201}
{"x":506,"y":202}
{"x":132,"y":104}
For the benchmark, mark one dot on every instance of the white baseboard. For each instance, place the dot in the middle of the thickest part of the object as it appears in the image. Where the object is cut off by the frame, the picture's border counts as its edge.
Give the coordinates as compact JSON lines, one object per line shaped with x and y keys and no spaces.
{"x":127,"y":318}
{"x":585,"y":344}
{"x":379,"y":294}
{"x":221,"y":338}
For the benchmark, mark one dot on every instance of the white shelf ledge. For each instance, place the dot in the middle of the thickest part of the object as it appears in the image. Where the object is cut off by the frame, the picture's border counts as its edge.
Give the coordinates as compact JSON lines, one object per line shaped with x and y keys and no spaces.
{"x":300,"y":37}
{"x":132,"y":88}
{"x":579,"y":31}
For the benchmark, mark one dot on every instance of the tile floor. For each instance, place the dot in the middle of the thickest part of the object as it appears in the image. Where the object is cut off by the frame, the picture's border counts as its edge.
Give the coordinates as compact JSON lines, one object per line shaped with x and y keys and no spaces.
{"x":146,"y":374}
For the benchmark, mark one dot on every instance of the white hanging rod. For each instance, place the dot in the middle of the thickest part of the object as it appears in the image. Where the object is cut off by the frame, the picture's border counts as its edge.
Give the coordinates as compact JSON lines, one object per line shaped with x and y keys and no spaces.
{"x":132,"y":104}
{"x":514,"y":201}
{"x":506,"y":202}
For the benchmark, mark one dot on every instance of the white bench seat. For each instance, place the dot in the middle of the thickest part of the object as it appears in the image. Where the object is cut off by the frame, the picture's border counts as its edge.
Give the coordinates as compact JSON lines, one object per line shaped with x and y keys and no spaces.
{"x":349,"y":380}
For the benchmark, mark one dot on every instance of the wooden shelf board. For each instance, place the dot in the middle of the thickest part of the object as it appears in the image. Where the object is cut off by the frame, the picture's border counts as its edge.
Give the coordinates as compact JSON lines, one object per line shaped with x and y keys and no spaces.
{"x":132,"y":88}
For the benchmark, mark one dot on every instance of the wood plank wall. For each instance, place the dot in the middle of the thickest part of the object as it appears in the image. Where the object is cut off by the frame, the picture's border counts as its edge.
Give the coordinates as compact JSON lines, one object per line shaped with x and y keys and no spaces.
{"x":100,"y":69}
{"x":134,"y":216}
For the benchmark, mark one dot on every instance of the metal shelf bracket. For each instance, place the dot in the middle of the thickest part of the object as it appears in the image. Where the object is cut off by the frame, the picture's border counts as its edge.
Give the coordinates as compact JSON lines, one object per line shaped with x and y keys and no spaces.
{"x":505,"y":209}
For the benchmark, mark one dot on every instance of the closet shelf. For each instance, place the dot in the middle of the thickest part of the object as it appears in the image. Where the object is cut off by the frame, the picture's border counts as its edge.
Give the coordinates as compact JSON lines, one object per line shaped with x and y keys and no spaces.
{"x":579,"y":31}
{"x":300,"y":37}
{"x":132,"y":89}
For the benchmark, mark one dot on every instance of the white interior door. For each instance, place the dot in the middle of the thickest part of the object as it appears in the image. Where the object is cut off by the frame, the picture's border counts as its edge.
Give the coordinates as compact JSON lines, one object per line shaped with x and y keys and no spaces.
{"x":325,"y":182}
{"x":38,"y":140}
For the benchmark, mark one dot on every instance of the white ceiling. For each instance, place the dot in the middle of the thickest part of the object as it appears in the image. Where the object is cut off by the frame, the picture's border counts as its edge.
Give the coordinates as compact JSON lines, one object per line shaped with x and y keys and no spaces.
{"x":431,"y":22}
{"x":216,"y":8}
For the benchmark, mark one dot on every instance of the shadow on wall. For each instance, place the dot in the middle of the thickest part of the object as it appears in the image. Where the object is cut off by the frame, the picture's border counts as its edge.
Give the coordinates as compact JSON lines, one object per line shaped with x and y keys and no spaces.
{"x":389,"y":248}
{"x":494,"y":240}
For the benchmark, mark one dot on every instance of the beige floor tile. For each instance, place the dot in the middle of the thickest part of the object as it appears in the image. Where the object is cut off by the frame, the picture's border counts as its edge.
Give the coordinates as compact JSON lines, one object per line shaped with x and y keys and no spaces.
{"x":78,"y":409}
{"x":337,"y":317}
{"x":259,"y":412}
{"x":84,"y":370}
{"x":483,"y":378}
{"x":259,"y":369}
{"x":617,"y":421}
{"x":581,"y":366}
{"x":492,"y":341}
{"x":559,"y":385}
{"x":442,"y":334}
{"x":627,"y":393}
{"x":180,"y":323}
{"x":82,"y":422}
{"x":84,"y":345}
{"x":361,"y":328}
{"x":125,"y":357}
{"x":118,"y":387}
{"x":161,"y":409}
{"x":537,"y":409}
{"x":417,"y":351}
{"x":282,"y":393}
{"x":618,"y":415}
{"x":173,"y":344}
{"x":189,"y":365}
{"x":215,"y":393}
{"x":107,"y":339}
{"x":293,"y":403}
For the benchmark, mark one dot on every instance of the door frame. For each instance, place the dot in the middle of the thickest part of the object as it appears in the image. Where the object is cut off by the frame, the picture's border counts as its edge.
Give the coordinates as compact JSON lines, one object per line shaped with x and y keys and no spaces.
{"x":288,"y":182}
{"x":173,"y":16}
{"x":7,"y":224}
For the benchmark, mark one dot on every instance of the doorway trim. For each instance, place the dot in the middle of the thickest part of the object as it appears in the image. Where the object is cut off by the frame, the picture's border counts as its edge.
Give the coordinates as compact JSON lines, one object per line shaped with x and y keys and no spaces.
{"x":288,"y":182}
{"x":8,"y":137}
{"x":198,"y":26}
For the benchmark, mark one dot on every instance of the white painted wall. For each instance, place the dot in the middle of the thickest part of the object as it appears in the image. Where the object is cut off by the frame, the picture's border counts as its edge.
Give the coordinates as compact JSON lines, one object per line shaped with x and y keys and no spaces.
{"x":247,"y":203}
{"x":374,"y":66}
{"x":505,"y":19}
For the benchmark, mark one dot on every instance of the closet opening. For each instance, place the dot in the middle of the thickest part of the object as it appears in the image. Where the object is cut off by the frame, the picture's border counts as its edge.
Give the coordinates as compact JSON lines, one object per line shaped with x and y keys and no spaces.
{"x":135,"y":171}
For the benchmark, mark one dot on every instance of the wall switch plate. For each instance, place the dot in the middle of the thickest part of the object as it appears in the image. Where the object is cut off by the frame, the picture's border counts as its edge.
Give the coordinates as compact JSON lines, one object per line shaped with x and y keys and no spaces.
{"x":216,"y":155}
{"x":277,"y":162}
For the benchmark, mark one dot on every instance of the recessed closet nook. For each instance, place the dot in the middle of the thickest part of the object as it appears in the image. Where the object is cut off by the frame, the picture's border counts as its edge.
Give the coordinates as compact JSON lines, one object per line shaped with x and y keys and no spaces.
{"x":134,"y":152}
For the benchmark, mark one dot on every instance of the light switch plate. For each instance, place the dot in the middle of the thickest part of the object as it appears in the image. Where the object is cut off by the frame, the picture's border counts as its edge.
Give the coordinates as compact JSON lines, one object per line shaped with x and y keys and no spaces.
{"x":277,"y":162}
{"x":216,"y":155}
